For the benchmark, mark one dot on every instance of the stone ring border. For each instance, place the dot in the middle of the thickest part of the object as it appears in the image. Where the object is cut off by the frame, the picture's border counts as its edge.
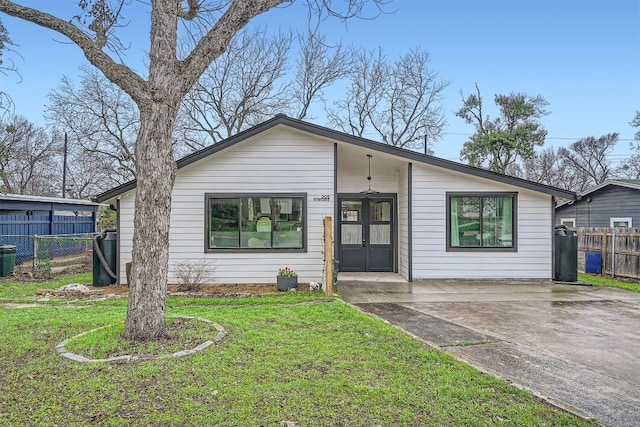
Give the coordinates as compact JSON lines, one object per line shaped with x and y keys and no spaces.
{"x":60,"y":349}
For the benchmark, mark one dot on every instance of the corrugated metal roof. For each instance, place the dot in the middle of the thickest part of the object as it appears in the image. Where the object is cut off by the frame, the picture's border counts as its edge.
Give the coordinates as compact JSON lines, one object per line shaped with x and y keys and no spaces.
{"x":60,"y":200}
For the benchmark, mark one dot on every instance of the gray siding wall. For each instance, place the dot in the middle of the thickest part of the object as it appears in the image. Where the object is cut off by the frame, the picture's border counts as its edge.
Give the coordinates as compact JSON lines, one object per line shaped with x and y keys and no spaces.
{"x":606,"y":203}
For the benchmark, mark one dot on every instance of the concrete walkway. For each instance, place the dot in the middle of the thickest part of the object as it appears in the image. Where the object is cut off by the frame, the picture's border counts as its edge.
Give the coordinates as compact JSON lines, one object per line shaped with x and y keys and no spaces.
{"x":576,"y":346}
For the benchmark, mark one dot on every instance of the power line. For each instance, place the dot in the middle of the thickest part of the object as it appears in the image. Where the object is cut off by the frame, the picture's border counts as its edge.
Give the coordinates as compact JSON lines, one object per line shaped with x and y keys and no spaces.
{"x":548,"y":137}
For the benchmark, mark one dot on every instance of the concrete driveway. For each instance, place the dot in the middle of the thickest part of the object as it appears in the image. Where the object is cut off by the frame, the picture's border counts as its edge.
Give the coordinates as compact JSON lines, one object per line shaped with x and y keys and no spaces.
{"x":576,"y":346}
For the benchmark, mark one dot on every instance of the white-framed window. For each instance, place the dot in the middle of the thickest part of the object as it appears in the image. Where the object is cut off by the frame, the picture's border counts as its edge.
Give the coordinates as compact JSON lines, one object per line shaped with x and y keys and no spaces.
{"x":569,"y":222}
{"x":621,"y":222}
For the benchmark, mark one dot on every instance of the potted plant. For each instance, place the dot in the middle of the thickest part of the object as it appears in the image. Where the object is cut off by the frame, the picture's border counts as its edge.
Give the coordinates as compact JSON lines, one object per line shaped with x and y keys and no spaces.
{"x":287,"y":279}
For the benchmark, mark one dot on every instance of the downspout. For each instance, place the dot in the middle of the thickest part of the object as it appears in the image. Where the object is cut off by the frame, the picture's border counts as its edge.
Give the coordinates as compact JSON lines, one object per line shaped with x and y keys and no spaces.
{"x":553,"y":236}
{"x":118,"y":267}
{"x":410,"y":221}
{"x":336,"y":208}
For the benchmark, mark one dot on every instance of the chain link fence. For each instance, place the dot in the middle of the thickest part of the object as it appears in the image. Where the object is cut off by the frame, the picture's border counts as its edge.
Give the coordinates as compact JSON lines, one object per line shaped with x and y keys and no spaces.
{"x":62,"y":253}
{"x":45,"y":256}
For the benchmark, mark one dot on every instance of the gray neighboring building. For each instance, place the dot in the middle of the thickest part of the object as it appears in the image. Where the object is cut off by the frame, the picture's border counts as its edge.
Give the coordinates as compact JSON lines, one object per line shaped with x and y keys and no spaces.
{"x":614,"y":203}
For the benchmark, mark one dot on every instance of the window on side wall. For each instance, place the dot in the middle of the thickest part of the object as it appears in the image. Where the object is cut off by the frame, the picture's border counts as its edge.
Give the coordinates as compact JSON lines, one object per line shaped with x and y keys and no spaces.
{"x":621,"y":222}
{"x":569,"y":222}
{"x":255,"y":222}
{"x":481,"y":222}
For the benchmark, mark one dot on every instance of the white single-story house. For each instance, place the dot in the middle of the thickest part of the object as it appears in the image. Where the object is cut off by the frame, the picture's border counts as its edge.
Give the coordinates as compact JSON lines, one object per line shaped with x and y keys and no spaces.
{"x":256,"y":202}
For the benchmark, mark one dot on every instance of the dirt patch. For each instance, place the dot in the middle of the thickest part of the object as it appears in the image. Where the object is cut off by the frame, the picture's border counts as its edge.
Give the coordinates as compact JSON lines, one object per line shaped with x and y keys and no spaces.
{"x":205,"y":291}
{"x":21,"y":305}
{"x":24,"y":274}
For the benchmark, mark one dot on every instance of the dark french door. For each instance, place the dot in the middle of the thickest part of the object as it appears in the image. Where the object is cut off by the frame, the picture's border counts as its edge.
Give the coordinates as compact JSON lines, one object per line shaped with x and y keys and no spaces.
{"x":366,"y":233}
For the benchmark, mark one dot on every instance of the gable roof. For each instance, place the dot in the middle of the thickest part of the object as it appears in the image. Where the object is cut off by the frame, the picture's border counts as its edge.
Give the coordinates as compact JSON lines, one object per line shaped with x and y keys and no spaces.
{"x":627,"y":183}
{"x":633,"y":184}
{"x":282,"y":120}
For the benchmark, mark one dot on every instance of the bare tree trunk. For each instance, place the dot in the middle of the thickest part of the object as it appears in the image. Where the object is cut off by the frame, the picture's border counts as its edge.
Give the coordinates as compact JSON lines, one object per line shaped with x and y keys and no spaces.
{"x":155,"y":175}
{"x":156,"y":170}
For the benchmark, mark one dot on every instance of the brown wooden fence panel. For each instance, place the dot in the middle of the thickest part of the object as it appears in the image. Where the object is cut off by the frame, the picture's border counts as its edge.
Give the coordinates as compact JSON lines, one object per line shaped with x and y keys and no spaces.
{"x":620,"y":249}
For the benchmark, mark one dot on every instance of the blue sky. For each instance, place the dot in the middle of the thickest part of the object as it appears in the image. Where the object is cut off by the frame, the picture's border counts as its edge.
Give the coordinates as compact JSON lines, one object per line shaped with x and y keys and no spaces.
{"x":583,"y":56}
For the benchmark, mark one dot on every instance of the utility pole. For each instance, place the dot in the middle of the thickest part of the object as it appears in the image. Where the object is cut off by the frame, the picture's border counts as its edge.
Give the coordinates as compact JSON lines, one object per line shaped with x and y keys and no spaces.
{"x":64,"y":168}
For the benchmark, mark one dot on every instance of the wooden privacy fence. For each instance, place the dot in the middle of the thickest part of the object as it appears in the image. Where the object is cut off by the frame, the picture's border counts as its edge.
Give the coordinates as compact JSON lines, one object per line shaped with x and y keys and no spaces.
{"x":619,"y":247}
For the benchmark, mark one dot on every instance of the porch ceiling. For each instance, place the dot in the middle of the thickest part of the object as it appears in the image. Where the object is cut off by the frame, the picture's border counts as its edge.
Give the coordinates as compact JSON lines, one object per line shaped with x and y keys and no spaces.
{"x":352,"y":160}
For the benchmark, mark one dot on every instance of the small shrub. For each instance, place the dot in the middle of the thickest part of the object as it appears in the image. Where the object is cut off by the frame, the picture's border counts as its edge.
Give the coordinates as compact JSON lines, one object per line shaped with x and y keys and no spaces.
{"x":192,"y":274}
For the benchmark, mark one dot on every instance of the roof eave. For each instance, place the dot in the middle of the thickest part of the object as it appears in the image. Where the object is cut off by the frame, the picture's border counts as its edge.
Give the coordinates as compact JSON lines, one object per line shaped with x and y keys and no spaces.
{"x":354,"y":140}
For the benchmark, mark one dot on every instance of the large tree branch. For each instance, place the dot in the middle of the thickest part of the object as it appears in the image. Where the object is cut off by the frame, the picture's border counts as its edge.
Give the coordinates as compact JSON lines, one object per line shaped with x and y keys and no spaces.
{"x":214,"y":43}
{"x":119,"y":74}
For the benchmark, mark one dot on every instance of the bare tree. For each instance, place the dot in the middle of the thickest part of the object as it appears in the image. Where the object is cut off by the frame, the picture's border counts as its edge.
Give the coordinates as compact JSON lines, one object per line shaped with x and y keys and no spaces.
{"x":5,"y":100}
{"x":636,"y":124}
{"x":248,"y":84}
{"x":501,"y":142}
{"x":317,"y":67}
{"x":242,"y":87}
{"x":29,"y":161}
{"x":588,"y":158}
{"x":88,"y":173}
{"x":188,"y":135}
{"x":367,"y":78}
{"x":400,"y":101}
{"x":100,"y":118}
{"x":158,"y":95}
{"x":102,"y":123}
{"x":548,"y":168}
{"x":630,"y":168}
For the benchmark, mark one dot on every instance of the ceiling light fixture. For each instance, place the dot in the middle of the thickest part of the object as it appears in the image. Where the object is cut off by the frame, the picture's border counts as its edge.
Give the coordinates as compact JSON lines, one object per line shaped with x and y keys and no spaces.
{"x":369,"y":190}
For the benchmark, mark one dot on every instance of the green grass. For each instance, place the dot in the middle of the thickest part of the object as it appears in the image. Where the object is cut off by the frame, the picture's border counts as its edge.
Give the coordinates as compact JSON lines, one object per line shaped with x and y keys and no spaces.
{"x":284,"y":358}
{"x":598,"y":280}
{"x":19,"y":292}
{"x":105,"y":342}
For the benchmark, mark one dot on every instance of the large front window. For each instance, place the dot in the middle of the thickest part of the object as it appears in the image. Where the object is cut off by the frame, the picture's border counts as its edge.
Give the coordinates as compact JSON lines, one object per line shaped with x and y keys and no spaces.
{"x":481,"y":221}
{"x":255,"y":221}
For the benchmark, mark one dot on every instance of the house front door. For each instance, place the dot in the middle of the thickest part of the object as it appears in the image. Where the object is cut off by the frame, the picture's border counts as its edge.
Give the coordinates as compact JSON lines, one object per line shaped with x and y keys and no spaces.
{"x":366,"y":234}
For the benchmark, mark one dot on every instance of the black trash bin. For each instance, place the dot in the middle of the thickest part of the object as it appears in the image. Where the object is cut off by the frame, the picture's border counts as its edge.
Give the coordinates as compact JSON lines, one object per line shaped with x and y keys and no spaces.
{"x":104,"y":259}
{"x":7,"y":259}
{"x":566,"y":256}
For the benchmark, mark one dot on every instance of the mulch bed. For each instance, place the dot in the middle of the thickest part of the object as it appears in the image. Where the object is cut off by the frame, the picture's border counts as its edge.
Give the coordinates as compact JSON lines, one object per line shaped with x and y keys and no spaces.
{"x":204,"y":291}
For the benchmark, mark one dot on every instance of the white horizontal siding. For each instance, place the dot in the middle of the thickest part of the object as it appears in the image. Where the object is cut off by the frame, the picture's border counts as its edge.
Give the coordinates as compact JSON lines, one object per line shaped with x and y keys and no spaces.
{"x":125,"y":232}
{"x":286,"y":161}
{"x":278,"y":161}
{"x":430,"y":258}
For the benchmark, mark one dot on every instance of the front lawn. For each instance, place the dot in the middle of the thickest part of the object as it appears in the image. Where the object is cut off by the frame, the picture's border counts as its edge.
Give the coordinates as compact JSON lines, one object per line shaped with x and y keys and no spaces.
{"x":301,"y":358}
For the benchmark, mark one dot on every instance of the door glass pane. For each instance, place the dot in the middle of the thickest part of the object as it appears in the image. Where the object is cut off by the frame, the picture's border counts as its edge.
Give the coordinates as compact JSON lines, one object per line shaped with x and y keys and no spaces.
{"x":351,"y":211}
{"x":225,"y":230}
{"x":380,"y":234}
{"x":351,"y":234}
{"x":380,"y":210}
